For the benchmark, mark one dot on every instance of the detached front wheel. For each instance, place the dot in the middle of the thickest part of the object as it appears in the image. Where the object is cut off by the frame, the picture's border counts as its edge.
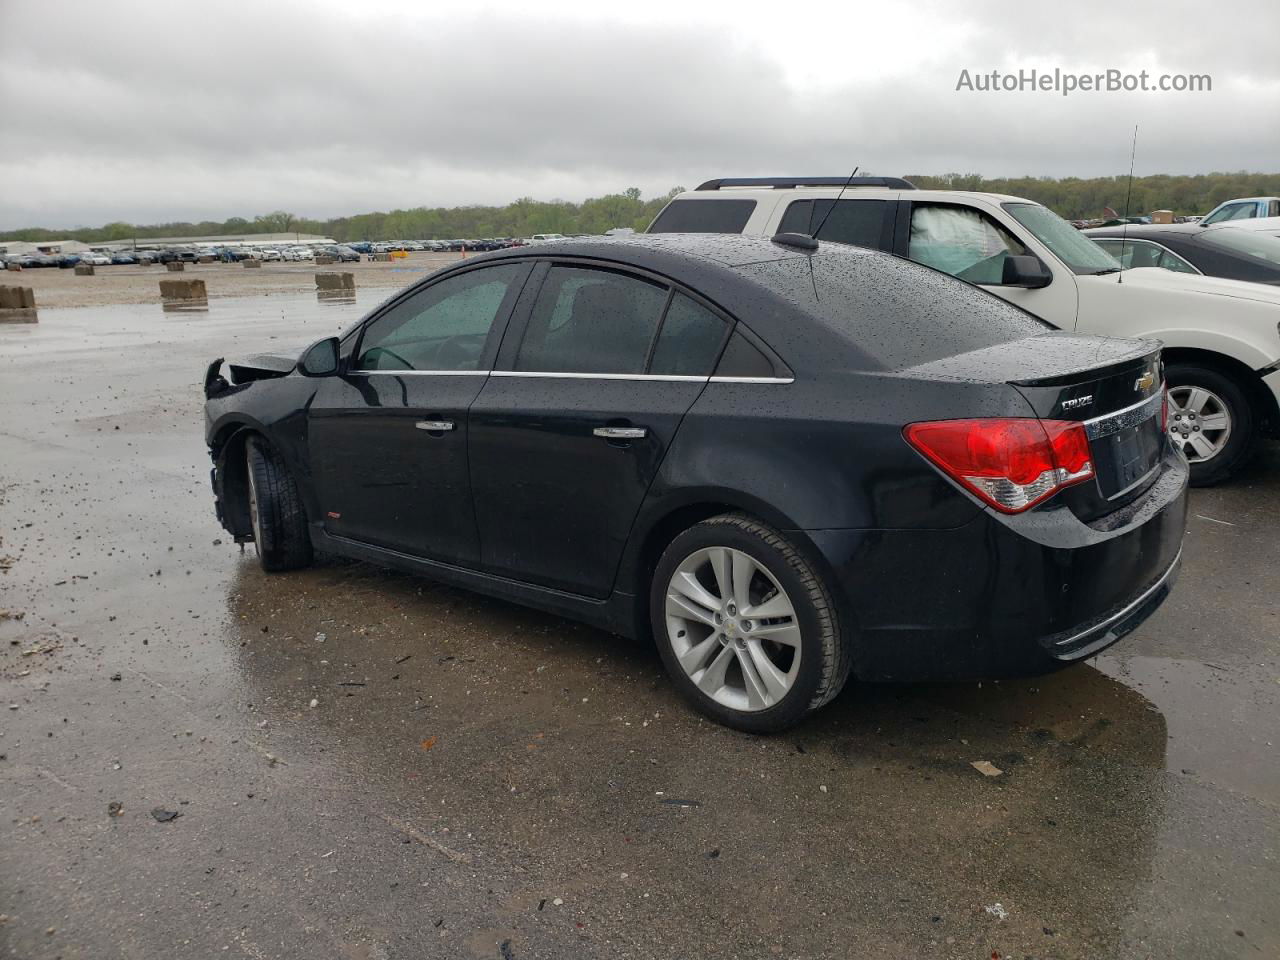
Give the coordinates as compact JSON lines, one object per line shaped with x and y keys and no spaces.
{"x":746,"y":627}
{"x":1210,"y":421}
{"x":275,"y":510}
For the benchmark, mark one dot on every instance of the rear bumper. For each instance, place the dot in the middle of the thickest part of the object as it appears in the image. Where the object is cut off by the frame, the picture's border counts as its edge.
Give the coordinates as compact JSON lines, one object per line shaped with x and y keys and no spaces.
{"x":1006,"y":596}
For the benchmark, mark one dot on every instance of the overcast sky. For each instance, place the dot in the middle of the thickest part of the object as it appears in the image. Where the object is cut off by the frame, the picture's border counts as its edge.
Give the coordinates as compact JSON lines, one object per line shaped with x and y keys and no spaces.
{"x":179,"y":111}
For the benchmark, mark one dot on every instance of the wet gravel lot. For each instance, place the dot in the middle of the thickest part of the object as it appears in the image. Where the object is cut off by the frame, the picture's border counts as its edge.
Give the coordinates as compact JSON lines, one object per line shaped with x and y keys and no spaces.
{"x":367,"y":765}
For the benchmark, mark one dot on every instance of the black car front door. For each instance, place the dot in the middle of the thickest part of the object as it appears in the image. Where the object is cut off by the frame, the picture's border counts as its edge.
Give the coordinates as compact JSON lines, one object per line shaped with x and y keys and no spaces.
{"x":388,"y":438}
{"x":568,"y":433}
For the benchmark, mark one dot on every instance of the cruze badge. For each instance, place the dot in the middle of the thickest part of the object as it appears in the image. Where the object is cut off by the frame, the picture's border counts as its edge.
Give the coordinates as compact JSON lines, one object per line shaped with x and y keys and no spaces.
{"x":1075,"y":402}
{"x":1144,"y":381}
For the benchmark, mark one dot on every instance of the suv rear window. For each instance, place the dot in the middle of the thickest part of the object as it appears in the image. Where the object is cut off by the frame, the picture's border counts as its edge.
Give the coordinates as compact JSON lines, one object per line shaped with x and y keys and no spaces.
{"x":704,"y":216}
{"x":859,"y":222}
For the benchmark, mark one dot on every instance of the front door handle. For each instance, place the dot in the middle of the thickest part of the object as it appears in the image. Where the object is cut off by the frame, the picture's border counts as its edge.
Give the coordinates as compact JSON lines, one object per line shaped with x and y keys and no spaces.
{"x":620,"y":433}
{"x":434,"y":426}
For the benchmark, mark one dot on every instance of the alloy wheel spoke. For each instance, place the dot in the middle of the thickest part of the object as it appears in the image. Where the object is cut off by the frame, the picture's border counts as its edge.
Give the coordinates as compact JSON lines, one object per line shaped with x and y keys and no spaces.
{"x":744,"y":569}
{"x":776,"y":606}
{"x":1215,"y":421}
{"x":688,"y":584}
{"x":695,"y":658}
{"x":1196,"y":400}
{"x":775,"y":681}
{"x":680,"y":606}
{"x":1202,"y":445}
{"x":787,"y":632}
{"x":757,"y":691}
{"x":720,"y":565}
{"x":712,"y":678}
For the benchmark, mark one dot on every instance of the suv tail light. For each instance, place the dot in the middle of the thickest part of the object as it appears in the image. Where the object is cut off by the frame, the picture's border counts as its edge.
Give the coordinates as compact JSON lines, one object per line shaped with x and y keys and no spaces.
{"x":1012,"y":463}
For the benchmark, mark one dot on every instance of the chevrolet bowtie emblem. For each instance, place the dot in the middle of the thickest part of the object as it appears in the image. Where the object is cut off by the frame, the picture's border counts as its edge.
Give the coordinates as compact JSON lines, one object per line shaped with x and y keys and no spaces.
{"x":1144,"y":381}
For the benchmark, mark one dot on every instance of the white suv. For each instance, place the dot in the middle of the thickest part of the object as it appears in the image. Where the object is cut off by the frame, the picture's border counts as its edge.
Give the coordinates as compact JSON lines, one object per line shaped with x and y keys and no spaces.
{"x":1221,"y":337}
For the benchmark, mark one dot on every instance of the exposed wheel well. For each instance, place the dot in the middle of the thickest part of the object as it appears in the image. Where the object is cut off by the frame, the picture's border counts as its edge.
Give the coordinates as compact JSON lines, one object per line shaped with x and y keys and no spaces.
{"x":1264,"y":402}
{"x":229,"y":450}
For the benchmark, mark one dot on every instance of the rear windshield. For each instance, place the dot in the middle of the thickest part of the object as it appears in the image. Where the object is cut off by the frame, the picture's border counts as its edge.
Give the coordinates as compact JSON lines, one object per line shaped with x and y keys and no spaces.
{"x":898,"y":313}
{"x":703,"y":216}
{"x":1252,"y":243}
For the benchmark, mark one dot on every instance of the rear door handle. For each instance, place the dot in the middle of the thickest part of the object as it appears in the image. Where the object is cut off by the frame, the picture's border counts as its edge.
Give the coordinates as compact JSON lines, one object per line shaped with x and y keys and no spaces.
{"x":434,"y":426}
{"x":620,"y":433}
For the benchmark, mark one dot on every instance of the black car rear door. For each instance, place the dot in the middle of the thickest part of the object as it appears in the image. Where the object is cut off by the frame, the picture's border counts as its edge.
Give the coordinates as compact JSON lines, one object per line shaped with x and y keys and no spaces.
{"x":568,"y":432}
{"x":388,"y":438}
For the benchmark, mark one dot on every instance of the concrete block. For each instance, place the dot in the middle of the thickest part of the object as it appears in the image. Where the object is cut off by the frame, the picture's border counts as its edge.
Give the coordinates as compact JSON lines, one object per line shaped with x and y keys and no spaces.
{"x":335,"y":281}
{"x":175,"y":266}
{"x":15,"y":267}
{"x":183,"y":290}
{"x":17,"y":298}
{"x":206,"y":259}
{"x":84,"y":269}
{"x":323,"y":261}
{"x":252,"y":264}
{"x":380,"y":256}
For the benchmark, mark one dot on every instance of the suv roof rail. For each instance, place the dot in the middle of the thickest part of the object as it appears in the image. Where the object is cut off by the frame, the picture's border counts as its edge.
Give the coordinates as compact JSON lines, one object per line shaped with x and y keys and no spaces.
{"x":786,"y":183}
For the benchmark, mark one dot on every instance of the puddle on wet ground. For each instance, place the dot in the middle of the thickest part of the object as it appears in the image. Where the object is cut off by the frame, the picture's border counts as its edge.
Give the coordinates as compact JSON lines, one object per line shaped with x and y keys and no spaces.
{"x":1224,"y":725}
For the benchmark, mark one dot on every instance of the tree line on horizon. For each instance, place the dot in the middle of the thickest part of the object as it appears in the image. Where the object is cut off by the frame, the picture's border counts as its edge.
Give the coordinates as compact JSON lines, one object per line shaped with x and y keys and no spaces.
{"x":1072,"y":197}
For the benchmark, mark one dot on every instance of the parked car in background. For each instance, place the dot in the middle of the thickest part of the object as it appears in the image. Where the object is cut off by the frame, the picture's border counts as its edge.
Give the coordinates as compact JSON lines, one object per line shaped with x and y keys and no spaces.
{"x":299,"y":254}
{"x":1227,"y":250}
{"x":546,"y":237}
{"x":270,"y":254}
{"x":95,"y":259}
{"x":807,"y":460}
{"x":1222,"y":342}
{"x":123,"y":257}
{"x":66,"y":260}
{"x":361,"y":246}
{"x":1244,"y":208}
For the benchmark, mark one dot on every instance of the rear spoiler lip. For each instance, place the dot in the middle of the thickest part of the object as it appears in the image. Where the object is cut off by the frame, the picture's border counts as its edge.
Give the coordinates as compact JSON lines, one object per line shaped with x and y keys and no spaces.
{"x":1092,"y":373}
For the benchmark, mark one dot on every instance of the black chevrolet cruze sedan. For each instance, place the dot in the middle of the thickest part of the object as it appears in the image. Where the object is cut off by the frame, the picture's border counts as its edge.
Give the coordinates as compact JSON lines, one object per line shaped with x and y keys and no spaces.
{"x":785,"y":461}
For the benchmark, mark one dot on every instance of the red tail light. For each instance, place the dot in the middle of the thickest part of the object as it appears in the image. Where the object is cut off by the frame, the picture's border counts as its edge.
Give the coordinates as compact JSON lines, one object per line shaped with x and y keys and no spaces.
{"x":1012,"y":464}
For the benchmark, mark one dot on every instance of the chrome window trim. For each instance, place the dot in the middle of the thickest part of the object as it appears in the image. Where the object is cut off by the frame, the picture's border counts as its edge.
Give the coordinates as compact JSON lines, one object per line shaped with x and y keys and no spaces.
{"x":1117,"y":420}
{"x":670,"y":378}
{"x":558,"y":375}
{"x":422,"y":373}
{"x":753,"y":379}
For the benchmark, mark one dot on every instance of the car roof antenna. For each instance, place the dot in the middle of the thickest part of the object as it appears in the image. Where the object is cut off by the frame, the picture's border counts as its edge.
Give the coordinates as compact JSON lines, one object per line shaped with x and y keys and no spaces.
{"x":823,"y":222}
{"x":1124,"y":232}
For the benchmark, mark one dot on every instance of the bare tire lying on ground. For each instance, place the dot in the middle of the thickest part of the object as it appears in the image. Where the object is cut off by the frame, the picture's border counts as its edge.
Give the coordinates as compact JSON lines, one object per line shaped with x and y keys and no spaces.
{"x":745,"y":626}
{"x":275,"y":510}
{"x":1210,"y":421}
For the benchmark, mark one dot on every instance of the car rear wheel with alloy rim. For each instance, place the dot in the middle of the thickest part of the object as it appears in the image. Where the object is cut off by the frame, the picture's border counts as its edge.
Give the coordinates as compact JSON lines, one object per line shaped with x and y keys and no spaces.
{"x":745,"y":625}
{"x":1210,"y":421}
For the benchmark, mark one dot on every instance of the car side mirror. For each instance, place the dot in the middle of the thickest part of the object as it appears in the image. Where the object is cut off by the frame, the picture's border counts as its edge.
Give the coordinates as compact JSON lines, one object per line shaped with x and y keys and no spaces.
{"x":1026,"y":272}
{"x":321,"y":359}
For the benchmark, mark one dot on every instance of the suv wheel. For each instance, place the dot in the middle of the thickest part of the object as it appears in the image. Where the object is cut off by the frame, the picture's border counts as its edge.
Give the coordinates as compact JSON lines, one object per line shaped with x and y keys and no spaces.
{"x":275,"y":510}
{"x":745,"y":626}
{"x":1210,"y":421}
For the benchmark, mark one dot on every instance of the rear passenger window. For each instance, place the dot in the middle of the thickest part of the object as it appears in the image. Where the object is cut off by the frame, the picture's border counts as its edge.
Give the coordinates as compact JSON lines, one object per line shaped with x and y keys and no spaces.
{"x":703,"y":216}
{"x":690,"y":340}
{"x":856,"y":222}
{"x":591,"y":321}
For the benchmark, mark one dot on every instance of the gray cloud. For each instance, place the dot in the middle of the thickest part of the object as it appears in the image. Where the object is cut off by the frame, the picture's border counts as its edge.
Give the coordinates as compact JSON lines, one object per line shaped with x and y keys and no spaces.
{"x":118,"y":112}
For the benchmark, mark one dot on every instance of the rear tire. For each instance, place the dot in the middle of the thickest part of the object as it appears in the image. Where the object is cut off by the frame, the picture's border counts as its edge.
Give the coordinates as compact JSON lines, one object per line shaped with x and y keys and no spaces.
{"x":1198,"y":397}
{"x":745,"y":625}
{"x":275,"y":509}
